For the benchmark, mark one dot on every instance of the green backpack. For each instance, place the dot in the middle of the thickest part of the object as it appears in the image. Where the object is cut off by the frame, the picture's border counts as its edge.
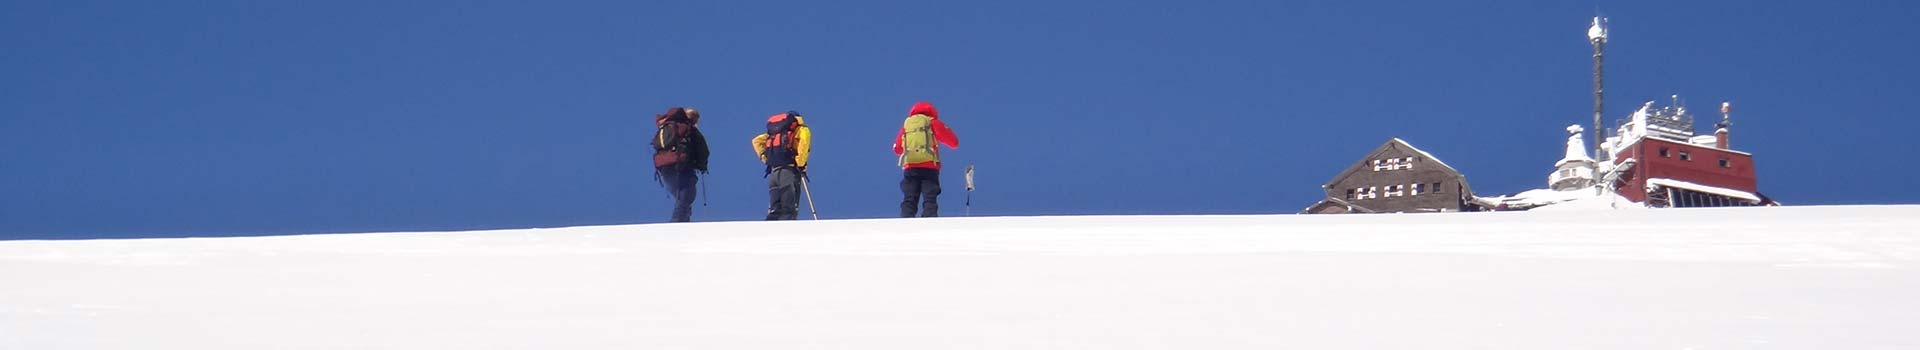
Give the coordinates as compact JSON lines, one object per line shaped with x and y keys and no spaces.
{"x":916,"y":141}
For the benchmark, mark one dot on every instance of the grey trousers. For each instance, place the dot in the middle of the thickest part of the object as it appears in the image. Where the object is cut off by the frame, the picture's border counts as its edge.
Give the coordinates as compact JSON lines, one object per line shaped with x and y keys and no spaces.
{"x":783,"y":194}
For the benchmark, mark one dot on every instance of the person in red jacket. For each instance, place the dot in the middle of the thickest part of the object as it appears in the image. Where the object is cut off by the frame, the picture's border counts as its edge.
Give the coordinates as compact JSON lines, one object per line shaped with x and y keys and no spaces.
{"x":920,"y":159}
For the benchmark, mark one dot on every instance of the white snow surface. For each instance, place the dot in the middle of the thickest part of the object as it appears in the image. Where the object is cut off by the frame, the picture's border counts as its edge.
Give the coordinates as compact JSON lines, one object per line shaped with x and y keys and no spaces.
{"x":1841,"y":277}
{"x":1547,"y":199}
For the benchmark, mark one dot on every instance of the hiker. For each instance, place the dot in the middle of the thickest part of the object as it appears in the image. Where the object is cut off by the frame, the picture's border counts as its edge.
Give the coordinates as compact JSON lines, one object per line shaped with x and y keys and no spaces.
{"x":920,"y":159}
{"x":784,"y":148}
{"x":679,"y":150}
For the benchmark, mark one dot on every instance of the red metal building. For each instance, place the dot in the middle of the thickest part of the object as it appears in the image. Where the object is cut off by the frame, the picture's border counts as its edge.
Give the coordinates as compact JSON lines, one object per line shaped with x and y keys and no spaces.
{"x":1658,"y":161}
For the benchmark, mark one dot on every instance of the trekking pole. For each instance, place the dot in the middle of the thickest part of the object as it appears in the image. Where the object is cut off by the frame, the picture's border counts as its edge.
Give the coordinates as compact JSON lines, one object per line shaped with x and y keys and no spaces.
{"x":703,"y":194}
{"x":809,"y":192}
{"x":969,"y":189}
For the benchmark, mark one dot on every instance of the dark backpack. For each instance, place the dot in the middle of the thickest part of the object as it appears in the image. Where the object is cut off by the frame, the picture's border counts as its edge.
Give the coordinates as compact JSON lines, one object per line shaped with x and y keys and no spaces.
{"x":670,"y":141}
{"x":781,"y":151}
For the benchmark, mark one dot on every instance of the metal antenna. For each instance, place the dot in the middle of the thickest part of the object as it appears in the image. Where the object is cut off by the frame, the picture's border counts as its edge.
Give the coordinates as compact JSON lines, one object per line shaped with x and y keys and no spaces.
{"x":1597,"y":36}
{"x":1726,"y":115}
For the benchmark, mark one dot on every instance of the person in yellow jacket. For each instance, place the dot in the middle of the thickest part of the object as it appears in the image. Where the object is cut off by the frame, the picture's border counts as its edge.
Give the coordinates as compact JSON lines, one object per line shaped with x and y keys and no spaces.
{"x":784,"y":148}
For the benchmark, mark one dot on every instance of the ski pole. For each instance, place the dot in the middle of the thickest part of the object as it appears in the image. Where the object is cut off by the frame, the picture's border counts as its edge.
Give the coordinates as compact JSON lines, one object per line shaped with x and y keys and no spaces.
{"x":969,"y":189}
{"x":703,"y":195}
{"x":809,"y":192}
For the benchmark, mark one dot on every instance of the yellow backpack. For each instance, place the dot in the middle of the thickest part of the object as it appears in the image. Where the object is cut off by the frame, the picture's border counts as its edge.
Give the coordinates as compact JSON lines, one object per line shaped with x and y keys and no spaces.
{"x":916,"y":141}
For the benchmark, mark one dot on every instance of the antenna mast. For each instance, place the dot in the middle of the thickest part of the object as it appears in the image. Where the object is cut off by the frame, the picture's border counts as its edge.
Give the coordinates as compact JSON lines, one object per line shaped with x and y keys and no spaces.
{"x":1597,"y":35}
{"x":1726,"y":115}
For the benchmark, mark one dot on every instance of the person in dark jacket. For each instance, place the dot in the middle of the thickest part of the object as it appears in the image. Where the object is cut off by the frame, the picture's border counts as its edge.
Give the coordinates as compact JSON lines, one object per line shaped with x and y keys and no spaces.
{"x":920,"y":159}
{"x":679,"y":157}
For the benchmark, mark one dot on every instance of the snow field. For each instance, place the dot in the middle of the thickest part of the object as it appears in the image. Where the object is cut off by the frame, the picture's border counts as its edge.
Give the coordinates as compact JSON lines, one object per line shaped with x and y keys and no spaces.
{"x":1741,"y":278}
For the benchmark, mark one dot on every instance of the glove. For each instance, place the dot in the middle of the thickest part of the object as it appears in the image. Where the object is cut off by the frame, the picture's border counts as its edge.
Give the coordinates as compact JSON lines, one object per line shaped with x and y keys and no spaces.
{"x":803,"y":171}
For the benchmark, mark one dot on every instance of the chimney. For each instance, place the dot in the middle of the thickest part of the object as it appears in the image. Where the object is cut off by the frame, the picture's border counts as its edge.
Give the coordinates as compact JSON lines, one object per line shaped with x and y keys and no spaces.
{"x":1720,"y":138}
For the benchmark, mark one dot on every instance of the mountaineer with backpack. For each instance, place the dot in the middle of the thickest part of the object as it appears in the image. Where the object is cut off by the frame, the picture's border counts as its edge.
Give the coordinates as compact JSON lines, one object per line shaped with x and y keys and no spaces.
{"x":920,"y":159}
{"x":679,"y":150}
{"x":784,"y":148}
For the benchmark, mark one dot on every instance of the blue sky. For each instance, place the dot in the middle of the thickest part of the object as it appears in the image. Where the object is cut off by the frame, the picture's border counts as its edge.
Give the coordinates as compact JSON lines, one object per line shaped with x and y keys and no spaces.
{"x":222,"y":118}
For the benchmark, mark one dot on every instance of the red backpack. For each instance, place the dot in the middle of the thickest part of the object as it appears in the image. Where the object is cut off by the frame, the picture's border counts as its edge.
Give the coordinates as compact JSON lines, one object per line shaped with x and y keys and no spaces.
{"x":671,"y":137}
{"x":780,"y":151}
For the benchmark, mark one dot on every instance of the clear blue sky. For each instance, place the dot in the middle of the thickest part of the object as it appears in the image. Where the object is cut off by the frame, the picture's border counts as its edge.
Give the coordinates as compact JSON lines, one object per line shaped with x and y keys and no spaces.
{"x":220,"y":118}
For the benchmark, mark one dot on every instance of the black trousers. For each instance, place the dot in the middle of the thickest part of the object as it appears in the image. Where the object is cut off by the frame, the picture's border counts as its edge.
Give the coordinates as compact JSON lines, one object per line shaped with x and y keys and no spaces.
{"x":783,"y":194}
{"x":684,"y":185}
{"x":920,"y":186}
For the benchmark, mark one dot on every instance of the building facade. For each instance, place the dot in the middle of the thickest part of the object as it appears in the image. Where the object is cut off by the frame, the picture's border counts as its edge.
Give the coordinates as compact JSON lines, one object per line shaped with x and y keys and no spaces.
{"x":1658,"y":161}
{"x":1394,"y":178}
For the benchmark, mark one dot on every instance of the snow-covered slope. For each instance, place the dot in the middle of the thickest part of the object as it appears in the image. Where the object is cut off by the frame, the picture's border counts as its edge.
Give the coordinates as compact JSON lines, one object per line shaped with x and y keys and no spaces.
{"x":1733,"y":278}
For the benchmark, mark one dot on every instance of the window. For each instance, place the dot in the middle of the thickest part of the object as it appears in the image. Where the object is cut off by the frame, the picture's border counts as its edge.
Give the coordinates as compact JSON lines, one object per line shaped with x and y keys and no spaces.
{"x":1392,"y":164}
{"x":1685,"y":156}
{"x":1663,"y":153}
{"x":1349,"y":194}
{"x":1724,"y":163}
{"x":1436,"y":187}
{"x":1419,"y":189}
{"x":1368,"y":193}
{"x":1396,"y":190}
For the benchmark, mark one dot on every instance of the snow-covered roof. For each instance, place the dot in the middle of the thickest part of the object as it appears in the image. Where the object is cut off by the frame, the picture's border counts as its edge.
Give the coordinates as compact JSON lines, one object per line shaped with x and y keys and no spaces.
{"x":1637,"y":123}
{"x":1425,"y":154}
{"x":1704,"y":140}
{"x":1610,"y":172}
{"x":1401,"y":143}
{"x":1576,"y":147}
{"x":1665,"y":182}
{"x":1679,"y":142}
{"x":1352,"y":208}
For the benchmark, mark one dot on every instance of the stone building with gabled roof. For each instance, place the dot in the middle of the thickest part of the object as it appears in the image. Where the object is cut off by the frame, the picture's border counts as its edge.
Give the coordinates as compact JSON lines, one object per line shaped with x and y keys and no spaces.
{"x":1395,"y":178}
